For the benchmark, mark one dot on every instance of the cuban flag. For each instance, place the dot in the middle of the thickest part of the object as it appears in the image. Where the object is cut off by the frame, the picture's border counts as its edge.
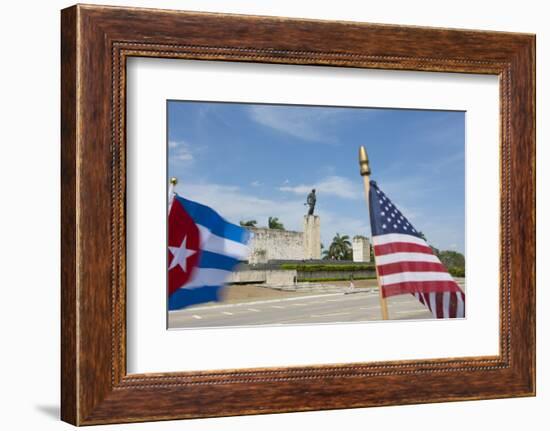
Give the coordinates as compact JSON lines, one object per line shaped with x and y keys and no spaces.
{"x":203,"y":250}
{"x":406,"y":263}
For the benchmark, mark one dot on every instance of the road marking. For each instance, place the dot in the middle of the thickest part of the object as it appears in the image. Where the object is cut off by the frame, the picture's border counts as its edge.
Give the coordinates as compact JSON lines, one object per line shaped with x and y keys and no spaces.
{"x":267,"y":301}
{"x":368,"y":308}
{"x":195,"y":316}
{"x":277,"y":306}
{"x":227,"y":313}
{"x":329,"y":314}
{"x":253,"y":309}
{"x":298,"y":305}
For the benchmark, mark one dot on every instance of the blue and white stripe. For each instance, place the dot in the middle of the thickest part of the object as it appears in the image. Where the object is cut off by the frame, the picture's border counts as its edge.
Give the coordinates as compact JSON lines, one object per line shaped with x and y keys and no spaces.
{"x":222,"y":246}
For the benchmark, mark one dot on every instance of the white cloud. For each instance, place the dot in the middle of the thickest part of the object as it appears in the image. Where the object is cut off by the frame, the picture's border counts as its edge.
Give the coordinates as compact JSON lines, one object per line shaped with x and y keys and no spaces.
{"x":256,"y":183}
{"x":180,"y":151}
{"x":236,"y":205}
{"x":333,"y":185}
{"x":305,"y":124}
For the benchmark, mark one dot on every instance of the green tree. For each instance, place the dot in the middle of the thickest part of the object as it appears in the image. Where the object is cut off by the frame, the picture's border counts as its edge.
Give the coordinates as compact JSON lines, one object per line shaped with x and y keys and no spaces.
{"x":248,"y":223}
{"x":339,"y":249}
{"x":452,"y":259}
{"x":274,"y":223}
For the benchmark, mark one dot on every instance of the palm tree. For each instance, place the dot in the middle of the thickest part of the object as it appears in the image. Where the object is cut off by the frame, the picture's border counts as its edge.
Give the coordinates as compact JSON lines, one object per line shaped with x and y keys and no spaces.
{"x":248,"y":223}
{"x":340,"y":248}
{"x":274,"y":223}
{"x":342,"y":245}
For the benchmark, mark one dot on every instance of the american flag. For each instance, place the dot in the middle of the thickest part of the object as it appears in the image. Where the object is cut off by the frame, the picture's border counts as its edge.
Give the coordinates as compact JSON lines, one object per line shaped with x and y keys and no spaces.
{"x":406,"y":263}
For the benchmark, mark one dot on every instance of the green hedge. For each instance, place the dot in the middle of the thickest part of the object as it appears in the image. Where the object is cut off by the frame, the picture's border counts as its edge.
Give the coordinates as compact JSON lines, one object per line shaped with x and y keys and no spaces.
{"x":457,"y":272}
{"x":327,"y":267}
{"x":453,"y":270}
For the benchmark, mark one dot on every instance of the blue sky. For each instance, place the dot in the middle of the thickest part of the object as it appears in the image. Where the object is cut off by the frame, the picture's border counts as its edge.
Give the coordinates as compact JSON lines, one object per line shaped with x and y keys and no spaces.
{"x":252,"y":161}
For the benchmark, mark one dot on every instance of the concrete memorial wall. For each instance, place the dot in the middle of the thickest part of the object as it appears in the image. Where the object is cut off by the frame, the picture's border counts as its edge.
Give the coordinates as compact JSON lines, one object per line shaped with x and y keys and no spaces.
{"x":275,"y":244}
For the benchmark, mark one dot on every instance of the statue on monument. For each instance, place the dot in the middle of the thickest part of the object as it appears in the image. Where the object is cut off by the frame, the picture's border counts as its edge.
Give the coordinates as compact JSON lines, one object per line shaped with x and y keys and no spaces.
{"x":311,"y":201}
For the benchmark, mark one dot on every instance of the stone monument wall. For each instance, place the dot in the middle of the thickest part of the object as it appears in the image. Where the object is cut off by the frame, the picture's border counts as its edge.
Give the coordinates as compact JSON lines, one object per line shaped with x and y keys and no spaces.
{"x":275,"y":244}
{"x":361,"y":249}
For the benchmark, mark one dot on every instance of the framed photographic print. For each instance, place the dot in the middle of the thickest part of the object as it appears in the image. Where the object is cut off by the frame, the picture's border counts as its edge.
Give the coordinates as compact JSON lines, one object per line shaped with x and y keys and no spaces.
{"x":268,"y":215}
{"x":275,"y":258}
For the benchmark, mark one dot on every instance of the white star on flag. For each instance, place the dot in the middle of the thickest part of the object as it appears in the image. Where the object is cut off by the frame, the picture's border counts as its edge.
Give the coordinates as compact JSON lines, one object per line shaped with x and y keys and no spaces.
{"x":181,"y":254}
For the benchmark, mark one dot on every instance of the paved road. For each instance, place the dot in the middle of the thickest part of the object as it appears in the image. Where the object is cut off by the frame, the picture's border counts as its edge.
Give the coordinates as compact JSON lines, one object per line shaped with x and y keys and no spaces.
{"x":322,"y":308}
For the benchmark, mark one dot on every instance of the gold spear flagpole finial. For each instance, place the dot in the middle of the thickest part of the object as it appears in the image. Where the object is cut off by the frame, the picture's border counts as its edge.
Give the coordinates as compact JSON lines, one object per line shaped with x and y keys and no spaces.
{"x":172,"y":188}
{"x":364,"y":167}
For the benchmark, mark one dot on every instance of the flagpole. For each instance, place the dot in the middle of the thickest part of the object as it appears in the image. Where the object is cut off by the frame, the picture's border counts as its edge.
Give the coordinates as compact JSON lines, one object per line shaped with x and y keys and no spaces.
{"x":365,"y":173}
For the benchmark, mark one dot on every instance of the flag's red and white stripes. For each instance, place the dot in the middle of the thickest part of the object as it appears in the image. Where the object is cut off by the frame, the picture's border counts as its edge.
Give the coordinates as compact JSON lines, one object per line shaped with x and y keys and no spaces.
{"x":406,"y":264}
{"x":443,"y":305}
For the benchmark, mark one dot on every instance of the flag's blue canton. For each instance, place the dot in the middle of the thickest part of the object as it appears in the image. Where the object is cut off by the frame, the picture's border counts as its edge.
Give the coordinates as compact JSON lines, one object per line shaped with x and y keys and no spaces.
{"x":384,"y":215}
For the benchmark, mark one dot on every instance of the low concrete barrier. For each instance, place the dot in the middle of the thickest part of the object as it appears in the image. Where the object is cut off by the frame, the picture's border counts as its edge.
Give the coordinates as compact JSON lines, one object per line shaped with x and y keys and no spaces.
{"x":281,"y":277}
{"x":272,"y":277}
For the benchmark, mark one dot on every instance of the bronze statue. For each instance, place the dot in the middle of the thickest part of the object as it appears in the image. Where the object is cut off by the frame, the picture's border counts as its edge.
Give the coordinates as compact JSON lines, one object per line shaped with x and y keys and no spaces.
{"x":311,"y":200}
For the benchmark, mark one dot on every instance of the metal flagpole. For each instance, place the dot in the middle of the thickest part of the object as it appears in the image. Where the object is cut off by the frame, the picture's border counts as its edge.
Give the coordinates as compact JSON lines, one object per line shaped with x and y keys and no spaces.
{"x":365,"y":171}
